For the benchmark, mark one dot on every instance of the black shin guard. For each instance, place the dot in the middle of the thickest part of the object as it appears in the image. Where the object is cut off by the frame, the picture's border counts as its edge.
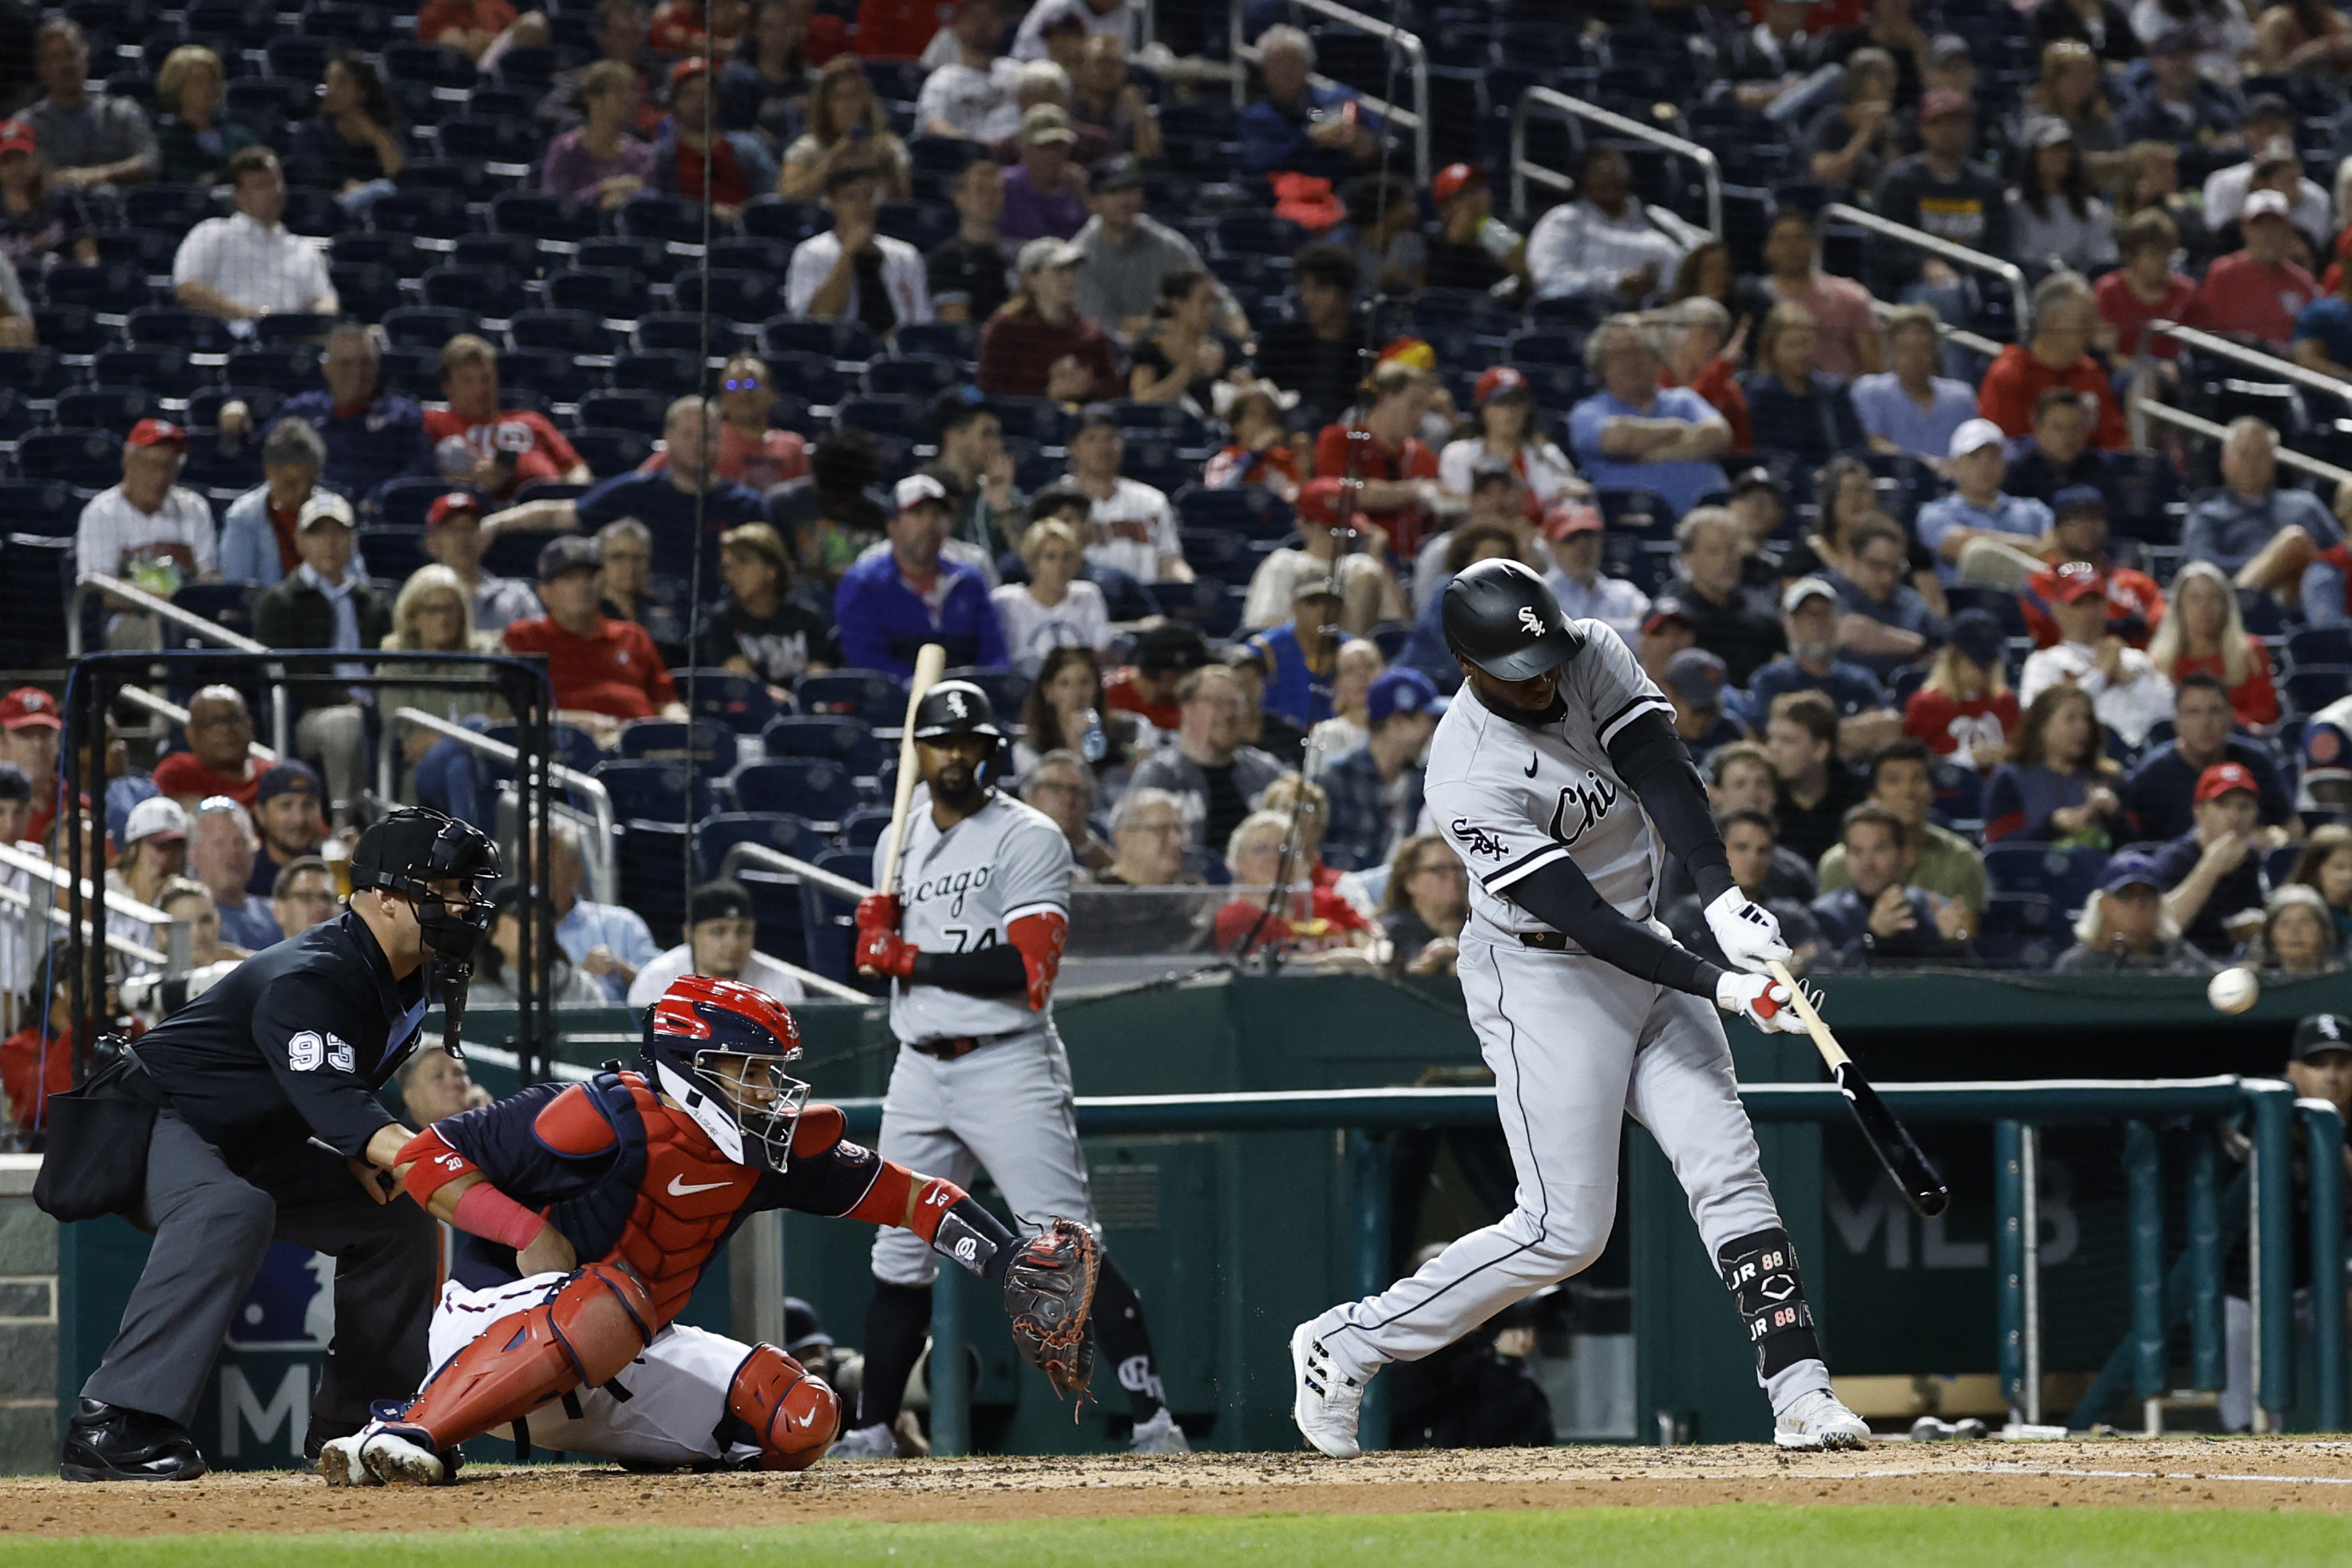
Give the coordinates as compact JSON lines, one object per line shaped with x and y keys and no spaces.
{"x":1126,"y":1343}
{"x":1760,"y":1271}
{"x":896,"y":1322}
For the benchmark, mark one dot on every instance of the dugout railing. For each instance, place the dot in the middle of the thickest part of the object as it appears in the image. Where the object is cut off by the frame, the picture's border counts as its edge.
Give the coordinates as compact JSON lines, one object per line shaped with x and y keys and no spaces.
{"x":1550,"y":103}
{"x":2015,"y":1114}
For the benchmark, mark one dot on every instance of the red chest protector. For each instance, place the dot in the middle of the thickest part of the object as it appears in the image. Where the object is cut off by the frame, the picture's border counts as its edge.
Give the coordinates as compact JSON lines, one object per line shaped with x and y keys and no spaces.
{"x":682,"y":1196}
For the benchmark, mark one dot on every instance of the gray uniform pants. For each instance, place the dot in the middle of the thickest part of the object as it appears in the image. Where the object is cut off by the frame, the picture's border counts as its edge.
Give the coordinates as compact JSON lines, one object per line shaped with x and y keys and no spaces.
{"x":1007,"y":1108}
{"x":212,"y":1228}
{"x":1576,"y":1046}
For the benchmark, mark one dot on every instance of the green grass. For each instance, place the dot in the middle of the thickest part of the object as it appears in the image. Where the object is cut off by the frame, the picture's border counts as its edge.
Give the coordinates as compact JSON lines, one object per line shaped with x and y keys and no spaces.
{"x":1733,"y":1535}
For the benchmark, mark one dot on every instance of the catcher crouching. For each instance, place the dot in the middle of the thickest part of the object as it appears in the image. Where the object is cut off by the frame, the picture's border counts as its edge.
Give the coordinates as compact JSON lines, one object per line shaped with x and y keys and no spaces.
{"x":587,"y":1214}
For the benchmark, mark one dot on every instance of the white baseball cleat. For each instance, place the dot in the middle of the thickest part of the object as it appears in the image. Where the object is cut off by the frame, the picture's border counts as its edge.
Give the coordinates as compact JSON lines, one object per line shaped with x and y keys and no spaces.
{"x":1161,"y":1435}
{"x":339,"y":1463}
{"x":875,"y":1442}
{"x":1816,"y":1420}
{"x":395,"y":1461}
{"x":1323,"y":1403}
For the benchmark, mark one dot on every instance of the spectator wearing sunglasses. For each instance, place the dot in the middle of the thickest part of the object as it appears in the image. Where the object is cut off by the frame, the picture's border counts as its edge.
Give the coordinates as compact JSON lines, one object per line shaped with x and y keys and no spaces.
{"x":751,"y":450}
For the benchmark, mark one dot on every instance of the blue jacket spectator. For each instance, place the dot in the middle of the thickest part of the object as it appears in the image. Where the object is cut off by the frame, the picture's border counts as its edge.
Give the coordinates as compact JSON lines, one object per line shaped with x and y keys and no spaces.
{"x":371,"y":435}
{"x":893,"y":602}
{"x":1293,"y":688}
{"x":1300,"y":126}
{"x":2236,"y":523}
{"x":256,"y":543}
{"x":1375,"y":790}
{"x":1977,"y":505}
{"x":1909,"y":404}
{"x":1634,"y":435}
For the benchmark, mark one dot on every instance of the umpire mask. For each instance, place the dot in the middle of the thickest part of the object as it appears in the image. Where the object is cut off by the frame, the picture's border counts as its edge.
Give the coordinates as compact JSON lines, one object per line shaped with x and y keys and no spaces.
{"x":409,"y":851}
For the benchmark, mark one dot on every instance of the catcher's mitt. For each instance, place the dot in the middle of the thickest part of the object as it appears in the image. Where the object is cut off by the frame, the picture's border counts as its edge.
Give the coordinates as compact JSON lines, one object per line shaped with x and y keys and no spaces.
{"x":1049,"y":1292}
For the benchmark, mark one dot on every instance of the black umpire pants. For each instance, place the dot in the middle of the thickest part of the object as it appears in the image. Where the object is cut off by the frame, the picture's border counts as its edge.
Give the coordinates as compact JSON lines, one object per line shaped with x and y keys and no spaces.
{"x":212,"y":1229}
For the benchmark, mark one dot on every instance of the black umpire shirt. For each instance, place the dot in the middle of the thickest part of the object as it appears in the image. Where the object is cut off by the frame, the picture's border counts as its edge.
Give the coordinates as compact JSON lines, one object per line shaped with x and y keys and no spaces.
{"x":283,"y":1049}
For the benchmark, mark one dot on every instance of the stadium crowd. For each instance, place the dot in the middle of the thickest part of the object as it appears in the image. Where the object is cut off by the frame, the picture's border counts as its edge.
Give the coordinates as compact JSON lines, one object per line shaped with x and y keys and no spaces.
{"x":1171,"y":419}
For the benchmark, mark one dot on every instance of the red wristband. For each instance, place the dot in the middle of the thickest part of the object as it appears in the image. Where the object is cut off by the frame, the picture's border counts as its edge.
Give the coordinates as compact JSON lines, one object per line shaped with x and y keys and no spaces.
{"x":482,"y":1210}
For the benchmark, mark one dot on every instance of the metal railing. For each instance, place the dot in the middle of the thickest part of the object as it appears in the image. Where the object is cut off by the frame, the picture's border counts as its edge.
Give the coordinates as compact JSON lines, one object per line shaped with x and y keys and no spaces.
{"x":2228,"y":349}
{"x":281,"y":713}
{"x":604,"y":878}
{"x":172,"y":957}
{"x":791,"y":866}
{"x":2008,"y":272}
{"x":2016,"y":1110}
{"x":1573,"y":109}
{"x":164,"y":707}
{"x":1416,"y":65}
{"x":2147,"y":406}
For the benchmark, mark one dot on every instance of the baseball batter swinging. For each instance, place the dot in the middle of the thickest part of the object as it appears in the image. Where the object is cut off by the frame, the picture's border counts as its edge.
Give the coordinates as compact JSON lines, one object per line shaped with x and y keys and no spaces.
{"x":972,"y":946}
{"x":1557,"y":777}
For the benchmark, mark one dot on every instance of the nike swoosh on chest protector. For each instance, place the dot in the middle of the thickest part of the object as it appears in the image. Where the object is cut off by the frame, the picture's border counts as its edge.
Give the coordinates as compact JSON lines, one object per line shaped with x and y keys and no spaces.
{"x":679,"y":1188}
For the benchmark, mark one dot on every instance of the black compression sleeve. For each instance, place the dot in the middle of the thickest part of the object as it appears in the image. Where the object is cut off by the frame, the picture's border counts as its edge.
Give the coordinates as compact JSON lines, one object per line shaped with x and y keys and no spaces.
{"x":1559,"y":895}
{"x":989,"y":971}
{"x":1651,"y":758}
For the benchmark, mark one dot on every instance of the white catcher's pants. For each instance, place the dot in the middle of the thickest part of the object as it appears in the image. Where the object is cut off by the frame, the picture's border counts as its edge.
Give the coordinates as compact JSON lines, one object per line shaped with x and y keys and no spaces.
{"x":678,"y":1387}
{"x":1576,"y":1046}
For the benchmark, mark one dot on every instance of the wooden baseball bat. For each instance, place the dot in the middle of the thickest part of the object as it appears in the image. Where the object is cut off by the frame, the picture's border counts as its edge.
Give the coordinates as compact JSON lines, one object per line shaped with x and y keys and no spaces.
{"x":1889,"y":1139}
{"x":929,"y":665}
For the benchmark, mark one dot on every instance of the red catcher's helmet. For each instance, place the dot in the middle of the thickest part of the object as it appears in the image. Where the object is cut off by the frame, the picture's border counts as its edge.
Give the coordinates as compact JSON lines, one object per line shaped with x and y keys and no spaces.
{"x":718,"y":1048}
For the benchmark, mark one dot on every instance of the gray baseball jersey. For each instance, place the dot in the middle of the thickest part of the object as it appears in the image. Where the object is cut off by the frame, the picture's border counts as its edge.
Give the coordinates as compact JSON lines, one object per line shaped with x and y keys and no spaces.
{"x":959,"y":891}
{"x":1512,"y":798}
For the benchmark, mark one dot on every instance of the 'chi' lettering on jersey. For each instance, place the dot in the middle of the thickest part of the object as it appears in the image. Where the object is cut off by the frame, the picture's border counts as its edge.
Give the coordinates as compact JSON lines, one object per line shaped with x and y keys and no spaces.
{"x":1512,"y":798}
{"x":961,"y":891}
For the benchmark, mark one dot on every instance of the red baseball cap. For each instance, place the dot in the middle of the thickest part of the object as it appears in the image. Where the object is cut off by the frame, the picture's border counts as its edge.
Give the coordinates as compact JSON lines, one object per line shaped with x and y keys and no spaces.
{"x":2222,"y":778}
{"x":453,"y":501}
{"x":693,"y":65}
{"x":1940,"y":102}
{"x":1571,"y":517}
{"x":29,"y":708}
{"x":18,"y":136}
{"x":156,"y":433}
{"x":2076,"y":579}
{"x":1501,"y":381}
{"x":1318,"y":503}
{"x":1453,"y":180}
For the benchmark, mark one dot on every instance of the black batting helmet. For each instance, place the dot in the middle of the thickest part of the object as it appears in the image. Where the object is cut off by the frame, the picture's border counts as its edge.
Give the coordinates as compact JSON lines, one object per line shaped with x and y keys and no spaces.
{"x":1499,"y":615}
{"x":955,"y":707}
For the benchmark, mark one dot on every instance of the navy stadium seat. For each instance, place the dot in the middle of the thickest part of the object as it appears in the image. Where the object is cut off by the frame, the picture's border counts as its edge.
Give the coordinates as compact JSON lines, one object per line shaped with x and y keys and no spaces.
{"x":783,"y":218}
{"x":517,"y":253}
{"x":738,"y":701}
{"x":111,"y":288}
{"x":34,"y":372}
{"x":1006,"y":690}
{"x":289,"y":369}
{"x":835,"y":339}
{"x":876,"y":696}
{"x":737,"y":294}
{"x":839,"y":738}
{"x":783,"y":831}
{"x":713,"y":744}
{"x":607,"y":293}
{"x":114,"y":409}
{"x":90,"y":460}
{"x":2066,"y":875}
{"x":483,"y":291}
{"x":655,"y":791}
{"x":403,"y":503}
{"x":817,"y":788}
{"x":40,"y":506}
{"x":608,"y":452}
{"x":916,"y":375}
{"x":571,"y":332}
{"x":166,"y":373}
{"x":627,"y":408}
{"x":543,"y":216}
{"x":2022,"y":931}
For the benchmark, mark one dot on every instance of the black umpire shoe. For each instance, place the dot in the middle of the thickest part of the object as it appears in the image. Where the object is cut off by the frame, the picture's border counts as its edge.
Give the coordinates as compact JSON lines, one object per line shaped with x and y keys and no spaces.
{"x":115,"y":1443}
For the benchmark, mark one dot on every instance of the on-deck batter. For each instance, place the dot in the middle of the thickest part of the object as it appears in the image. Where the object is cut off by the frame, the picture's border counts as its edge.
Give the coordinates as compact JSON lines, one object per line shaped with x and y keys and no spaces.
{"x":972,"y":943}
{"x":1556,"y":776}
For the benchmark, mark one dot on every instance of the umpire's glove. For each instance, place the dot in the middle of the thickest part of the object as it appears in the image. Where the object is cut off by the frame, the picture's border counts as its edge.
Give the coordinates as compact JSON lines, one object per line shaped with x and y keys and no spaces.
{"x":1746,"y":931}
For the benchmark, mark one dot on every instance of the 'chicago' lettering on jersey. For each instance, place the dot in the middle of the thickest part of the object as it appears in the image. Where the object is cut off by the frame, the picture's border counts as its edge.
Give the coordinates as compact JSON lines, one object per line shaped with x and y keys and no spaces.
{"x":1581,"y":807}
{"x":969,"y":880}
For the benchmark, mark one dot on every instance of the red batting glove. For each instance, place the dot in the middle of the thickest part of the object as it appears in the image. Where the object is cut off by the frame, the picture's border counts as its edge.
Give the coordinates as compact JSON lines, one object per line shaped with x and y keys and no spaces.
{"x":886,"y":952}
{"x":877,"y":913}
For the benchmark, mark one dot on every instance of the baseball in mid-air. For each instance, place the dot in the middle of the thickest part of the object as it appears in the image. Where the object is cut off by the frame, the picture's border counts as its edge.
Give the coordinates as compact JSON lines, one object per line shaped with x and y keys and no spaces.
{"x":2233,"y":991}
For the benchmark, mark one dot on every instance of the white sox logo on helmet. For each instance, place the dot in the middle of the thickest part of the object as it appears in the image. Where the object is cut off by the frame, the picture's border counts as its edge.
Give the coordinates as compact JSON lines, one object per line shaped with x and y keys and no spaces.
{"x":1533,"y":621}
{"x":955,"y":703}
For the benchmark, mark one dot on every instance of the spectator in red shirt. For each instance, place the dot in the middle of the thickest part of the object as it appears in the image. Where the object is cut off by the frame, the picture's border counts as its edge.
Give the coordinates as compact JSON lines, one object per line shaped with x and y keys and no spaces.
{"x":2206,"y":635}
{"x":1303,"y":918}
{"x":2145,"y":288}
{"x":2065,"y":313}
{"x":1697,"y":357}
{"x":739,"y":164}
{"x":752,"y":451}
{"x":1964,"y":710}
{"x":497,"y":449}
{"x":29,"y":728}
{"x":1037,"y":344}
{"x":37,"y":1061}
{"x":1164,"y":655}
{"x":605,"y":672}
{"x":219,"y":758}
{"x":481,"y":30}
{"x":691,"y":27}
{"x":1398,"y":470}
{"x":2257,"y":292}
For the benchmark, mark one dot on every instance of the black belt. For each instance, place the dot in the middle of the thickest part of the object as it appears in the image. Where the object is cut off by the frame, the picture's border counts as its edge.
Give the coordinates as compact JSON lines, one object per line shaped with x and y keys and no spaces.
{"x":949,"y":1047}
{"x":1549,"y":941}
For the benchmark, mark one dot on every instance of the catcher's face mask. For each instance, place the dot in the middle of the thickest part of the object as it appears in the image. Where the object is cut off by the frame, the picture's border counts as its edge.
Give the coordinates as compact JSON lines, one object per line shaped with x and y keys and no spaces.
{"x":748,"y":1105}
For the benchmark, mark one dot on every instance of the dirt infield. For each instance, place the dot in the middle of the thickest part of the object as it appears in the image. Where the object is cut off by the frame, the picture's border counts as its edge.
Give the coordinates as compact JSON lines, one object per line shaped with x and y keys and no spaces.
{"x":2240,"y":1473}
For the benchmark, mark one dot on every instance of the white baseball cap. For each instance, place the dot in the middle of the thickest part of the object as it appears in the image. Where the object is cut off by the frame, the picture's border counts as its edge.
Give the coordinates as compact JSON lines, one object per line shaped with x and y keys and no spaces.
{"x":157,"y":816}
{"x":1804,"y":588}
{"x":325,"y":506}
{"x":915,"y":488}
{"x":2264,"y":203}
{"x":1974,"y":435}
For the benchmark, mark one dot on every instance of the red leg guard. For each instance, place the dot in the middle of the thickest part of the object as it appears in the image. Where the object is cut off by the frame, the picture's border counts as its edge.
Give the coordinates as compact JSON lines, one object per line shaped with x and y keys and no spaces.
{"x":793,"y":1413}
{"x":594,"y":1324}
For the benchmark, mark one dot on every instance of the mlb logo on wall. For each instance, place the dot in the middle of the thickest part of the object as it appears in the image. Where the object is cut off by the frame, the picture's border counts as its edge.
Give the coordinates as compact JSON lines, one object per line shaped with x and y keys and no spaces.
{"x":258,"y":1410}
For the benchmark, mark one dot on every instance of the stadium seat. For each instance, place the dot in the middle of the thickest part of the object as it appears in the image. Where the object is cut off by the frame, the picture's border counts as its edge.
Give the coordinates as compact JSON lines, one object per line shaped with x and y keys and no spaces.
{"x":677,"y":332}
{"x":714,"y":835}
{"x":656,"y":791}
{"x":542,"y":216}
{"x":2020,"y":931}
{"x":571,"y":331}
{"x":625,"y":409}
{"x":517,"y":253}
{"x":817,"y":788}
{"x":811,"y":376}
{"x":864,"y":830}
{"x":86,"y":459}
{"x":290,"y":369}
{"x":873,"y":695}
{"x":428,"y":214}
{"x":653,"y":866}
{"x":659,"y":740}
{"x":608,"y":451}
{"x":913,"y":375}
{"x":2064,"y":875}
{"x":1006,"y":690}
{"x":228,"y":604}
{"x":673,"y":220}
{"x":2309,"y":688}
{"x":604,"y":292}
{"x":648,"y":258}
{"x":848,"y":741}
{"x":487,"y":291}
{"x":47,"y":506}
{"x":114,"y":409}
{"x":35,"y":579}
{"x":2312,"y":646}
{"x":150,"y":250}
{"x":843,"y":341}
{"x":738,"y":701}
{"x":897,"y":415}
{"x":33,"y":372}
{"x":957,"y":341}
{"x":162,"y":372}
{"x":392,"y":554}
{"x":784,"y":219}
{"x":115,"y":288}
{"x":671,"y":374}
{"x":489,"y":141}
{"x":736,"y":294}
{"x":829,"y":921}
